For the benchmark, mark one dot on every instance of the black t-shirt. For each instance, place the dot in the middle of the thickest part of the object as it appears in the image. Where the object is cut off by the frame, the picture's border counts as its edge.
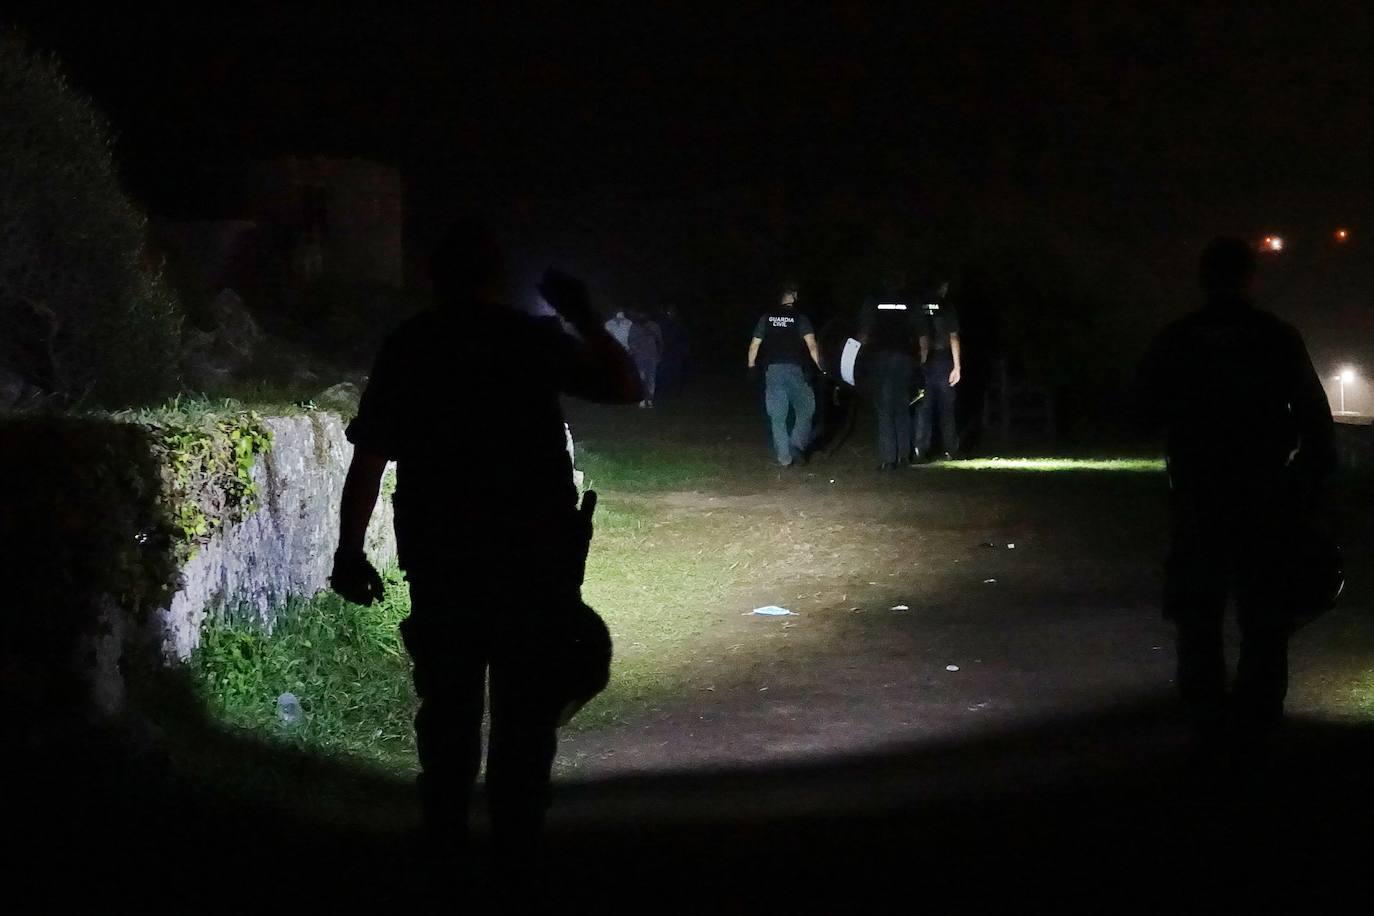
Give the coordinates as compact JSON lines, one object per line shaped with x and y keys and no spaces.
{"x":941,"y":320}
{"x":783,"y":332}
{"x":890,"y":323}
{"x":1236,"y":393}
{"x":468,"y":407}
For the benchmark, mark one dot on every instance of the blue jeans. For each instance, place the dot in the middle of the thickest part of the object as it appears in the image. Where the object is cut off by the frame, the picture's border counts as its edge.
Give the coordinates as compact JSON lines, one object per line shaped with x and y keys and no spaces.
{"x":939,"y":398}
{"x":892,"y":371}
{"x":787,"y":392}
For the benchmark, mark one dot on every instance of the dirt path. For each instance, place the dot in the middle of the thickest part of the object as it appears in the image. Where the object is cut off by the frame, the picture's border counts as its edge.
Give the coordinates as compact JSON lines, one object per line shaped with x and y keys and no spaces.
{"x":995,"y":638}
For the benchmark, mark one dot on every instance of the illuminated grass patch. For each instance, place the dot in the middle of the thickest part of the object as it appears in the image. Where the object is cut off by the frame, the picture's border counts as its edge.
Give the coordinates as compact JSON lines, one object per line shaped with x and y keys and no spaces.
{"x":344,"y":662}
{"x":1041,"y":465}
{"x":1363,"y":695}
{"x":644,"y":468}
{"x":351,"y":674}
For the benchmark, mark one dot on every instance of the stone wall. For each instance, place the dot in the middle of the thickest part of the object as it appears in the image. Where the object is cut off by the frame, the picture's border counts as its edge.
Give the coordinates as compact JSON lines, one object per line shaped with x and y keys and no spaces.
{"x":283,"y":550}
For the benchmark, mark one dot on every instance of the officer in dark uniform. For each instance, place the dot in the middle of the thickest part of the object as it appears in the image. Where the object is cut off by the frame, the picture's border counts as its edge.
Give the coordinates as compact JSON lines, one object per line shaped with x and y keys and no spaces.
{"x":889,"y":329}
{"x":487,"y":524}
{"x":942,"y":365}
{"x":1249,"y":439}
{"x":784,"y":346}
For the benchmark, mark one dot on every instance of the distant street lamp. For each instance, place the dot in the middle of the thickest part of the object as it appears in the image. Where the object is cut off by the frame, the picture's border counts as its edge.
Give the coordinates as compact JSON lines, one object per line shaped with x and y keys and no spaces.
{"x":1272,"y":243}
{"x":1342,"y":235}
{"x":1346,"y":375}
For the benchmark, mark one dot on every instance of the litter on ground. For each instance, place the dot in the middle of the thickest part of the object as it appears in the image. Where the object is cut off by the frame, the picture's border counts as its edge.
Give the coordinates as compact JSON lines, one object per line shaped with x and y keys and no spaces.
{"x":772,"y":610}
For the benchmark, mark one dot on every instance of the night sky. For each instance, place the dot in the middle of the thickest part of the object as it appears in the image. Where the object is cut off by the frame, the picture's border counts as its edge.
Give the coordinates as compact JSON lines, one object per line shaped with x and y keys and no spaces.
{"x":642,"y":129}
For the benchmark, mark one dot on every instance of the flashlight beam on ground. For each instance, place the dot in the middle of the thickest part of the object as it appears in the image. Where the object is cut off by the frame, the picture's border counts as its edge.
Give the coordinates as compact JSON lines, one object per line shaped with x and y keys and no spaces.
{"x":1134,"y":465}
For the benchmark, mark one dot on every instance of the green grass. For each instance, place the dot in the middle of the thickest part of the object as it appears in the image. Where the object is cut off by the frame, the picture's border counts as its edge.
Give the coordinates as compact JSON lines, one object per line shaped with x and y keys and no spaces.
{"x":1041,"y":465}
{"x":344,"y":662}
{"x":646,"y":467}
{"x":1363,"y":695}
{"x":196,"y":407}
{"x":654,"y":588}
{"x":347,"y":666}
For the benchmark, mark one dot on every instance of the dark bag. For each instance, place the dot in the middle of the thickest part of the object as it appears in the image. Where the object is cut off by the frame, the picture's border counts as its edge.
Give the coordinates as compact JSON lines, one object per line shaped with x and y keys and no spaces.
{"x":580,"y":650}
{"x":580,"y":659}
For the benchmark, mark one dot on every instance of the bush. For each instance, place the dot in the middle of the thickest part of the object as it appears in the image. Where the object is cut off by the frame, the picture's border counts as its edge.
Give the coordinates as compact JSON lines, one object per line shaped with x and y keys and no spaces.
{"x":82,"y":521}
{"x":81,"y":319}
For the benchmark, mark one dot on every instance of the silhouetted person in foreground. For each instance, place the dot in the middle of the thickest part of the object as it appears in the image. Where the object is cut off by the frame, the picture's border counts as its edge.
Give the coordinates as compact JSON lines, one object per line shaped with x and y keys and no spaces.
{"x":465,"y":399}
{"x":1249,"y":440}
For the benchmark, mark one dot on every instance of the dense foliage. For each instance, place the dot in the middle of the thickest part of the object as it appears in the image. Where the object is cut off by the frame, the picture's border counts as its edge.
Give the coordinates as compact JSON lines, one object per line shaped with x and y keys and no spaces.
{"x":205,"y":457}
{"x":83,"y":319}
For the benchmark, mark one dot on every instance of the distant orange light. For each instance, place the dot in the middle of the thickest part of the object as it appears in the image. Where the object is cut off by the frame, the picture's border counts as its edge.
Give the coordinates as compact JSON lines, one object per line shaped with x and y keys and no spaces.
{"x":1272,"y":243}
{"x":1342,"y":235}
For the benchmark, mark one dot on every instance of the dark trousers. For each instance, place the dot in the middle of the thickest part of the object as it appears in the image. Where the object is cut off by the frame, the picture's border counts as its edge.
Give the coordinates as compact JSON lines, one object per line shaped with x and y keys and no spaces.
{"x":1222,"y":548}
{"x":939,"y":399}
{"x":892,"y":374}
{"x":455,"y":640}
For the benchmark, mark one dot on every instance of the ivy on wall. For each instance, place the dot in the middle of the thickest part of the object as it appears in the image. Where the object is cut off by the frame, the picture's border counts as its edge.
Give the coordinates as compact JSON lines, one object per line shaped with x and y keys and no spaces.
{"x":205,"y":457}
{"x":110,"y":505}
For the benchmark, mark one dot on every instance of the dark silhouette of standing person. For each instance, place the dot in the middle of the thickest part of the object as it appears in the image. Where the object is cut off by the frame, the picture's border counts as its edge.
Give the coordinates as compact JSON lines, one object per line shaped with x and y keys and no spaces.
{"x":1249,"y":440}
{"x":465,"y":398}
{"x":672,"y":370}
{"x":942,"y":365}
{"x":646,"y":348}
{"x":889,"y":329}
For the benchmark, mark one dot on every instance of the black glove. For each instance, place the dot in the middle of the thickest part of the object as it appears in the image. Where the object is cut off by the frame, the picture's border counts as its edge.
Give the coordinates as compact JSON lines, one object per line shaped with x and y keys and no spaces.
{"x":355,"y":579}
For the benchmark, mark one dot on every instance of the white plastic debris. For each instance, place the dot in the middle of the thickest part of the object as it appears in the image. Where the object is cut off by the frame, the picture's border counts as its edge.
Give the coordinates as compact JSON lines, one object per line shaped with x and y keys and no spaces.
{"x":288,"y":710}
{"x":951,"y":667}
{"x":900,"y":607}
{"x":772,"y":610}
{"x":989,"y":581}
{"x":1011,"y":546}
